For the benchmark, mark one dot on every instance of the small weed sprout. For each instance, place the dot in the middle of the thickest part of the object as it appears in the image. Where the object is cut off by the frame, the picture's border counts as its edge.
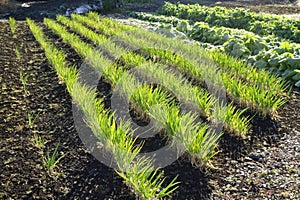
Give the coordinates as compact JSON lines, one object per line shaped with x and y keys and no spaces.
{"x":17,"y":51}
{"x":13,"y":26}
{"x":51,"y":161}
{"x":32,"y":118}
{"x":38,"y":140}
{"x":23,"y":80}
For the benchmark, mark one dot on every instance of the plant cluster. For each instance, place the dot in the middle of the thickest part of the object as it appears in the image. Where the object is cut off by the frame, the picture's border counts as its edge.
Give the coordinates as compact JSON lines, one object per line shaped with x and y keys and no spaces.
{"x":13,"y":26}
{"x":32,"y":118}
{"x":249,"y":89}
{"x":146,"y":99}
{"x":137,"y":172}
{"x":279,"y":57}
{"x":168,"y":63}
{"x":23,"y":79}
{"x":177,"y":84}
{"x":86,"y":20}
{"x":50,"y":161}
{"x":263,"y":24}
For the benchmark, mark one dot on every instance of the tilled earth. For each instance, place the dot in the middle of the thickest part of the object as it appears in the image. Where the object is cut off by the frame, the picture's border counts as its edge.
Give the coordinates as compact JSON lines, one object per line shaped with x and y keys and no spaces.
{"x":22,"y":173}
{"x":270,"y":167}
{"x":265,"y":165}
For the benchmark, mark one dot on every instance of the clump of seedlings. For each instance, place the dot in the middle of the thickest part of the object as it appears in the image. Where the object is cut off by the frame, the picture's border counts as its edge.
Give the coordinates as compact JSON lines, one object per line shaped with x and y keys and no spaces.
{"x":38,"y":140}
{"x":50,"y":161}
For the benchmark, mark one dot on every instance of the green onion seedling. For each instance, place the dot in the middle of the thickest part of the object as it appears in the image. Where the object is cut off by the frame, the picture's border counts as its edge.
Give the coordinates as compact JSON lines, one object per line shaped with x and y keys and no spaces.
{"x":31,"y":119}
{"x":38,"y":140}
{"x":13,"y":26}
{"x":23,"y":80}
{"x":51,"y":161}
{"x":17,"y":51}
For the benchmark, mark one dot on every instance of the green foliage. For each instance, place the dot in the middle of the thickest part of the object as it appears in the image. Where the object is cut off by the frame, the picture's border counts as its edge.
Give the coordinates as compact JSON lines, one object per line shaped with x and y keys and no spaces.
{"x":92,"y":15}
{"x":258,"y":99}
{"x":13,"y":25}
{"x":102,"y":27}
{"x":31,"y":118}
{"x":55,"y":56}
{"x":262,"y":24}
{"x":127,"y":83}
{"x":50,"y":161}
{"x":257,"y":90}
{"x":117,"y":138}
{"x":261,"y":52}
{"x":38,"y":140}
{"x":148,"y":181}
{"x":23,"y":80}
{"x":17,"y":51}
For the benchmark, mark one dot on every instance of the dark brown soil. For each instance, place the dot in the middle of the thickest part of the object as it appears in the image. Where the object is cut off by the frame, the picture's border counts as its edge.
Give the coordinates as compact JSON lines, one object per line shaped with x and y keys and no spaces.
{"x":38,"y":9}
{"x":23,"y":175}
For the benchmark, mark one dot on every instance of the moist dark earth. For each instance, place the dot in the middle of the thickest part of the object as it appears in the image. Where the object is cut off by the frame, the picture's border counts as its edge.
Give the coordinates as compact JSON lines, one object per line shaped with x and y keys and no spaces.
{"x":265,"y":165}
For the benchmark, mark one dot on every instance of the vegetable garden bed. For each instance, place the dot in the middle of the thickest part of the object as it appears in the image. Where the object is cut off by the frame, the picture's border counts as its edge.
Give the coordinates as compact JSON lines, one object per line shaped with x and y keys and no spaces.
{"x":37,"y":95}
{"x":239,"y":33}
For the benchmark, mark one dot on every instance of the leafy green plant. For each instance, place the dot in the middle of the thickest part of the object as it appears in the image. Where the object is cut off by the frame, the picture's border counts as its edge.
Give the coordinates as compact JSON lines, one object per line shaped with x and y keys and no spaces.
{"x":93,"y":15}
{"x":23,"y":80}
{"x":264,"y":24}
{"x":102,"y":123}
{"x":269,"y":52}
{"x":50,"y":161}
{"x":236,"y":68}
{"x":185,"y":90}
{"x":173,"y":83}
